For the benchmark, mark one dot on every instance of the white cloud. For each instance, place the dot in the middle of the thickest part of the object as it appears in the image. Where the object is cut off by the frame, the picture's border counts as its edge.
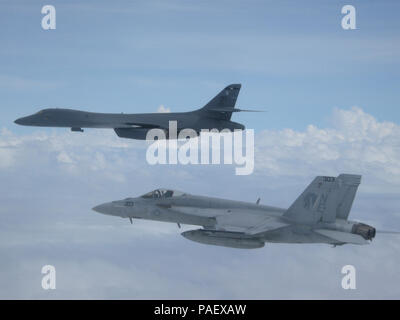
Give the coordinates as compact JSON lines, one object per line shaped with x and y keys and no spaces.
{"x":63,"y":157}
{"x":162,"y":109}
{"x":357,"y":143}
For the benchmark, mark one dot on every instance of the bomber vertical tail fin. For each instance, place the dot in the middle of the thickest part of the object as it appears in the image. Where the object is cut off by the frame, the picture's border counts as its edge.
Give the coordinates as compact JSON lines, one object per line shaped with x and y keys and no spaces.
{"x":223,"y":104}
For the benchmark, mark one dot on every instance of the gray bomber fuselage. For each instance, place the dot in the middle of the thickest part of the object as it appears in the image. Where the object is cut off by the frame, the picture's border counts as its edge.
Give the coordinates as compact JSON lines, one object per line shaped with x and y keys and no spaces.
{"x":68,"y":118}
{"x":214,"y":115}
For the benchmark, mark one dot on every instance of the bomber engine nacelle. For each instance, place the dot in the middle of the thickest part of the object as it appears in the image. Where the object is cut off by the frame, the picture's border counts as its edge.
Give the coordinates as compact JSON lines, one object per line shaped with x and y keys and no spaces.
{"x":141,"y":133}
{"x":223,"y":238}
{"x":132,"y":133}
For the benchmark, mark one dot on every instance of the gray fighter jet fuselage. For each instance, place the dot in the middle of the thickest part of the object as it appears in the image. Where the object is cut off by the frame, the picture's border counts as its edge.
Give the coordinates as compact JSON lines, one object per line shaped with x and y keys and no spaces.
{"x":214,"y":115}
{"x":319,"y":215}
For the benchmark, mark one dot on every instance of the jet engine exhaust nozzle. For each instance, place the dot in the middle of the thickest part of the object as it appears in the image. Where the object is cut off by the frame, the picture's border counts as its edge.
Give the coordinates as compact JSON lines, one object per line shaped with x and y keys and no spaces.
{"x":364,"y":230}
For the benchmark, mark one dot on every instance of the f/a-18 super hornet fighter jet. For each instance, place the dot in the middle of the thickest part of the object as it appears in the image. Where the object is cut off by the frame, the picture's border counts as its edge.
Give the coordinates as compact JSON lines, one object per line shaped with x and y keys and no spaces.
{"x":319,"y":215}
{"x":216,"y":114}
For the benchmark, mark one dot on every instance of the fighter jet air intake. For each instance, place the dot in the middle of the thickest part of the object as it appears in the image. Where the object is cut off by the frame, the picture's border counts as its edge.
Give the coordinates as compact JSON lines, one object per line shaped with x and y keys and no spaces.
{"x":216,"y":114}
{"x":319,"y":215}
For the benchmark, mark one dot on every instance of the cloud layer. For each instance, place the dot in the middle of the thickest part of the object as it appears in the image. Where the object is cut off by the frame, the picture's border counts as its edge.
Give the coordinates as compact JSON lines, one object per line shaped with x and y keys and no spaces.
{"x":356,"y":143}
{"x":51,"y":179}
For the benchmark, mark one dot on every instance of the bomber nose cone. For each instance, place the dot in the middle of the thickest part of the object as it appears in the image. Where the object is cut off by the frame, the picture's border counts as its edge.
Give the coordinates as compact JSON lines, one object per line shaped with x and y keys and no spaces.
{"x":102,"y":208}
{"x":18,"y":121}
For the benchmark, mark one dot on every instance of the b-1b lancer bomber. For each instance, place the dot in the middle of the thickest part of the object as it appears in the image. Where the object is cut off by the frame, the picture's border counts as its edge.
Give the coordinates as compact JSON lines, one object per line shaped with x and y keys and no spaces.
{"x":319,"y":215}
{"x":216,"y":114}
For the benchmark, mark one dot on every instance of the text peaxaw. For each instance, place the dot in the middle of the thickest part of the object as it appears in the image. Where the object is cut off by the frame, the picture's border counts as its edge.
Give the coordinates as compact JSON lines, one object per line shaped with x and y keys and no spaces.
{"x":216,"y":114}
{"x":319,"y":215}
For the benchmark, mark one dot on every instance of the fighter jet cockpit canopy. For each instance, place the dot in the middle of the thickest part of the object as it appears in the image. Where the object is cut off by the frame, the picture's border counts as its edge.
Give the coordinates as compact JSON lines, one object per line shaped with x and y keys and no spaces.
{"x":163,"y":193}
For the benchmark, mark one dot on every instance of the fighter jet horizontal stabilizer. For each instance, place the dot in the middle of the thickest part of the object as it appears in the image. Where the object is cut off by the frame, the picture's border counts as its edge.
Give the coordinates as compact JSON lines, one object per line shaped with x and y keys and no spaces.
{"x":342,"y":237}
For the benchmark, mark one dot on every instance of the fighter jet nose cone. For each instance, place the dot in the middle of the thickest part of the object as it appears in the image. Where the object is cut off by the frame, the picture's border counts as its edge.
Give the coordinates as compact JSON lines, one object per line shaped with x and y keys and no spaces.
{"x":18,"y":121}
{"x":97,"y":209}
{"x":102,"y":208}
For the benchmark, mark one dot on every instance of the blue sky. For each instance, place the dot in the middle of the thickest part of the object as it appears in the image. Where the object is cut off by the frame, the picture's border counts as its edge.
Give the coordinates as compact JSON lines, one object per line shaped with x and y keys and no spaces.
{"x":333,"y":107}
{"x":133,"y":56}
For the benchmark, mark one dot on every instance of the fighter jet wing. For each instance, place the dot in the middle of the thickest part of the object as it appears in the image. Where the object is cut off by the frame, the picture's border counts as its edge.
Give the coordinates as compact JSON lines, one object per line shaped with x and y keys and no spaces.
{"x":248,"y":224}
{"x":268,"y":225}
{"x":344,"y":237}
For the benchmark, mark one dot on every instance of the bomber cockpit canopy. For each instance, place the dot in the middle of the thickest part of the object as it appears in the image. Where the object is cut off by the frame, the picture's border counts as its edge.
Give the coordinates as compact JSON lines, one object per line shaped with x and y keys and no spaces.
{"x":163,"y":193}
